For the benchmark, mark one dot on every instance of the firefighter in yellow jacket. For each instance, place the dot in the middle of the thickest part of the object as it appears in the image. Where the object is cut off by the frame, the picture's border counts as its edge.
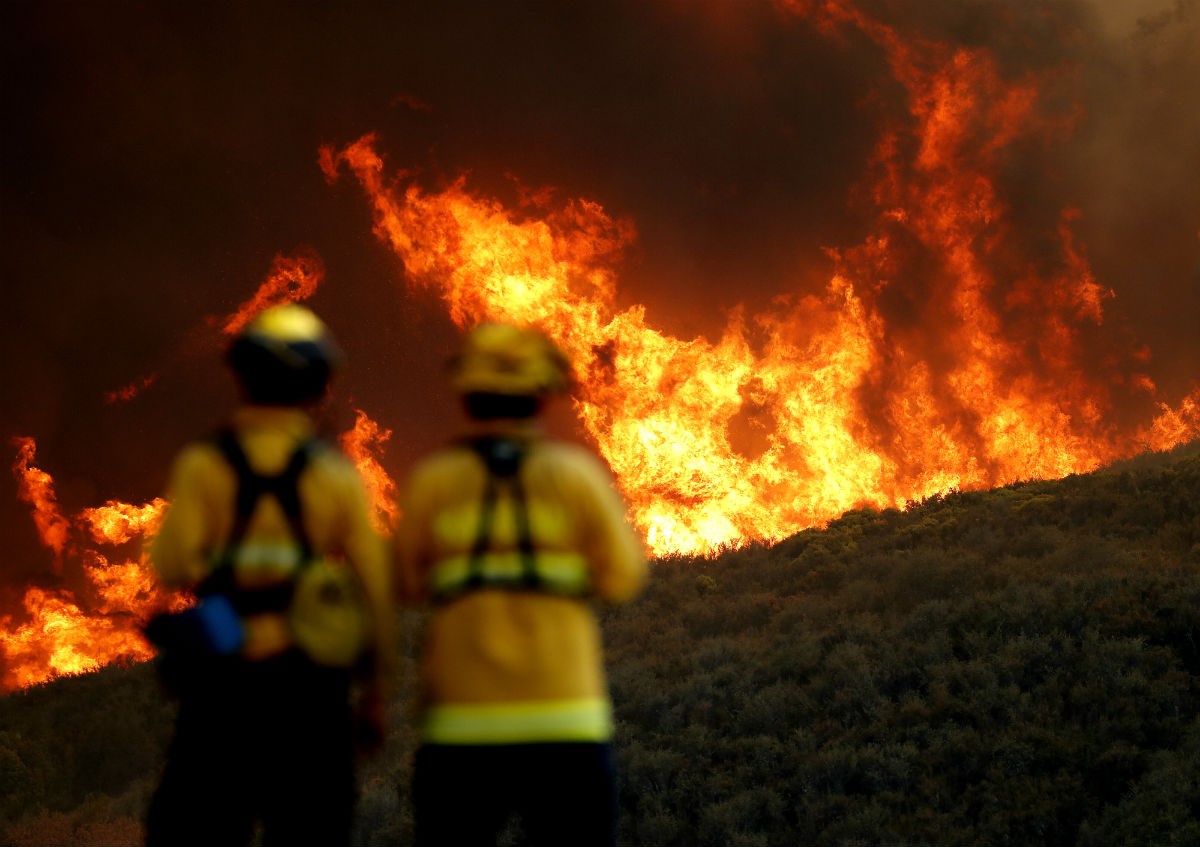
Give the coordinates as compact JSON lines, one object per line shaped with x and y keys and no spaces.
{"x":508,"y":534}
{"x":270,"y":528}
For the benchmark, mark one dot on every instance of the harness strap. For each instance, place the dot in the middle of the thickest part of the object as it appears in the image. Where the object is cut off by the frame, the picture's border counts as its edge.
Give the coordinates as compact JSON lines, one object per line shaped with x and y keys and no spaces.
{"x":251,"y":487}
{"x":283,"y":486}
{"x":503,"y":458}
{"x":483,"y":535}
{"x":529,"y":573}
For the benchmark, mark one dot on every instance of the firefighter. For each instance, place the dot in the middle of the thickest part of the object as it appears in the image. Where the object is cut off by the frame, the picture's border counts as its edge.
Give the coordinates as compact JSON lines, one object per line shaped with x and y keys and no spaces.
{"x":507,"y":535}
{"x":270,"y":528}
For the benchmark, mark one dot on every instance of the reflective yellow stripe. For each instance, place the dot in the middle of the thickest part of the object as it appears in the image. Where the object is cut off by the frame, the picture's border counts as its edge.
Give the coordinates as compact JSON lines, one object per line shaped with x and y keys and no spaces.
{"x":261,"y":563}
{"x":283,"y":555}
{"x":561,"y":572}
{"x":517,"y":723}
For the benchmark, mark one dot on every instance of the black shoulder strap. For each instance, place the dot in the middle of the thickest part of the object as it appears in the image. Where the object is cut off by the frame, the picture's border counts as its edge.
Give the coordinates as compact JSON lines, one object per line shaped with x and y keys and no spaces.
{"x":283,"y":486}
{"x":503,"y":458}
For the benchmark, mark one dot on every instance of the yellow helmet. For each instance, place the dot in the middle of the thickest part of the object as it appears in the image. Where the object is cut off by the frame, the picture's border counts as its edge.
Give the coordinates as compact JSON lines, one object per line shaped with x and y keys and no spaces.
{"x":504,"y":359}
{"x":284,"y":356}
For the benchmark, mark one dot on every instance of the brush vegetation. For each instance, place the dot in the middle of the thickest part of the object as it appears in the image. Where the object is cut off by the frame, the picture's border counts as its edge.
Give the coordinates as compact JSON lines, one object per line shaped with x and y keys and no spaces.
{"x":1017,"y":666}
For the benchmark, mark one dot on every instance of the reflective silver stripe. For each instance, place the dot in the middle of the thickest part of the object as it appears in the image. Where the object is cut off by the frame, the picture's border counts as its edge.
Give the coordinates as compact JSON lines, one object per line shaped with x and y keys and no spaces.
{"x":516,"y":723}
{"x":564,"y":573}
{"x":285,"y":556}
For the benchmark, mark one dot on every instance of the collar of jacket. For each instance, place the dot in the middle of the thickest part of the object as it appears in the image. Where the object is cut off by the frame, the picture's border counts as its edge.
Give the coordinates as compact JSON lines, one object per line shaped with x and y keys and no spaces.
{"x":524,"y":428}
{"x":294,"y":421}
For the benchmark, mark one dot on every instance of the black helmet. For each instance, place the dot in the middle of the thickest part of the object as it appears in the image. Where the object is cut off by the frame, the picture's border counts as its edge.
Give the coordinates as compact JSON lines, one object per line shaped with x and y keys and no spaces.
{"x":284,"y":357}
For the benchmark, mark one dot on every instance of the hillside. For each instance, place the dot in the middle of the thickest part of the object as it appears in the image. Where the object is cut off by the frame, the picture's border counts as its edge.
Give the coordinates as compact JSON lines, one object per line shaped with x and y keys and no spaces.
{"x":1019,"y":666}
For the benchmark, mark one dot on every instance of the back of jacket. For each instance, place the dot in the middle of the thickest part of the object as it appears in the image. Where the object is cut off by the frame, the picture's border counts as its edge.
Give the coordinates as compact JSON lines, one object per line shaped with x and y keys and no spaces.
{"x":200,"y":518}
{"x":502,"y":662}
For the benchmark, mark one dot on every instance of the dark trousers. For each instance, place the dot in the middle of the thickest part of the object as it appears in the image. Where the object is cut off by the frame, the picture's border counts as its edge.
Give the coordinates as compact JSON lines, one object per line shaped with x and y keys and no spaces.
{"x":564,"y":794}
{"x":265,"y":742}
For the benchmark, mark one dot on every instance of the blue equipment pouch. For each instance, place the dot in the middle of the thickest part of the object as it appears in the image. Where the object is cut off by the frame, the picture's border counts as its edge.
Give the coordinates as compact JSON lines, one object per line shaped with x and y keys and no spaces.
{"x":210,"y":628}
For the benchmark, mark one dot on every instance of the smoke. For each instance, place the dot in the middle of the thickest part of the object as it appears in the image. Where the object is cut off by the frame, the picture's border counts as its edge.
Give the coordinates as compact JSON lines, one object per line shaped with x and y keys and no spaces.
{"x":1136,"y":155}
{"x":156,"y":158}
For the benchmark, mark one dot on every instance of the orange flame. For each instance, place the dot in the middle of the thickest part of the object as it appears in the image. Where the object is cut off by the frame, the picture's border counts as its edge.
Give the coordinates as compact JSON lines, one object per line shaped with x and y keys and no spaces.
{"x":1175,"y":426}
{"x":64,"y":633}
{"x":816,"y":406}
{"x":116,"y":522}
{"x":786,"y":419}
{"x":292,"y":278}
{"x":659,"y":408}
{"x":37,"y":489}
{"x":60,"y":639}
{"x":127,"y":392}
{"x":364,"y":445}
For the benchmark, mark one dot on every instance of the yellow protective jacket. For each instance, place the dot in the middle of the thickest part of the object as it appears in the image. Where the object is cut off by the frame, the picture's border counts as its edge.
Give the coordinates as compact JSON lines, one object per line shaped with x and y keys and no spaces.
{"x":506,"y":664}
{"x":200,"y":518}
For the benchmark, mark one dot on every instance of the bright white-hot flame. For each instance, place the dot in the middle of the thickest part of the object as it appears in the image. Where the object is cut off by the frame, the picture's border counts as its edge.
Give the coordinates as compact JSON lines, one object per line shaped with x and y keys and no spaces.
{"x":847,"y":410}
